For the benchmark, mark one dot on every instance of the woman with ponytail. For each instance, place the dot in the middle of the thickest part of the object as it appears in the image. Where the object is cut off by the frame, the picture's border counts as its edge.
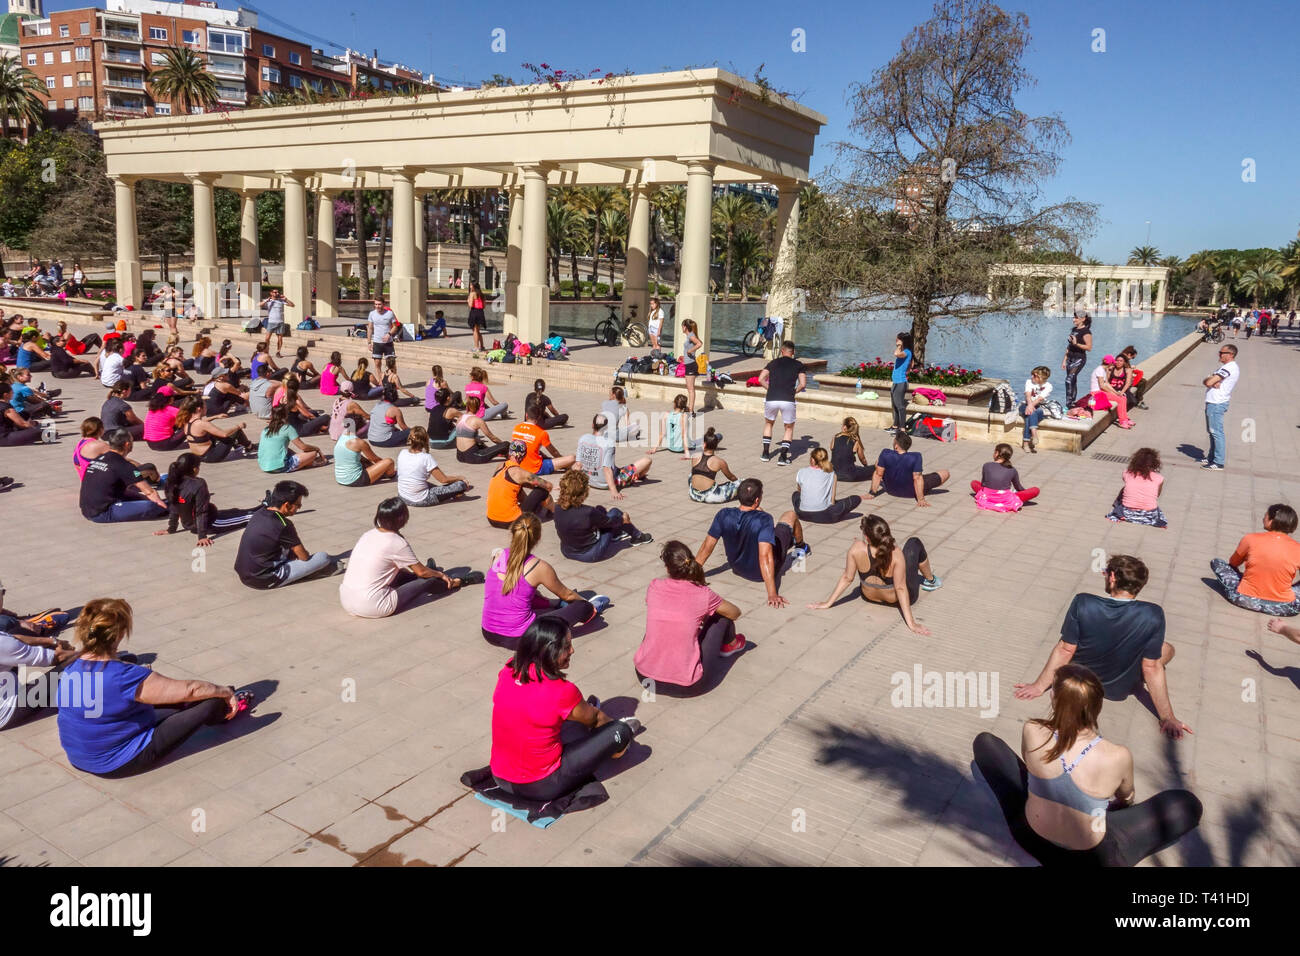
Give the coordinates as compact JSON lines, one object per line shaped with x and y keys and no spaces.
{"x":999,"y":487}
{"x":304,"y":419}
{"x":815,"y":487}
{"x":511,"y":601}
{"x":117,"y":718}
{"x":848,"y":457}
{"x":689,"y":629}
{"x":1070,"y":801}
{"x":210,"y":443}
{"x":887,"y":574}
{"x":190,"y":506}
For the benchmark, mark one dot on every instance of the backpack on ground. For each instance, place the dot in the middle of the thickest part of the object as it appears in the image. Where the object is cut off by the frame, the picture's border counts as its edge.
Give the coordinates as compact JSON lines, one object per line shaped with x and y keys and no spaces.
{"x":252,"y":325}
{"x":944,"y":429}
{"x":645,"y":365}
{"x":308,"y":325}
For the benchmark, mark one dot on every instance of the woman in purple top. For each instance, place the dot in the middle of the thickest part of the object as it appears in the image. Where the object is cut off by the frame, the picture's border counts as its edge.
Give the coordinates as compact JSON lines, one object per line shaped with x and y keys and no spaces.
{"x":117,"y":718}
{"x":511,"y":601}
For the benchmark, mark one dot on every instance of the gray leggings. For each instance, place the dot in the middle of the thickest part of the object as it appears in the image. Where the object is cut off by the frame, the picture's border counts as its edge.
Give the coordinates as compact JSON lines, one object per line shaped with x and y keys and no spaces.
{"x":1230,"y":578}
{"x":294,"y":570}
{"x":437,"y":494}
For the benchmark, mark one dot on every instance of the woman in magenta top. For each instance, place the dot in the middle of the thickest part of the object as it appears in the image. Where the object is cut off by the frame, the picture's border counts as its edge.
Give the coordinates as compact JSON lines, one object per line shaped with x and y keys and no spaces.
{"x":478,"y":387}
{"x":689,"y":629}
{"x":160,"y":431}
{"x":529,"y":707}
{"x":510,"y":599}
{"x":329,"y":376}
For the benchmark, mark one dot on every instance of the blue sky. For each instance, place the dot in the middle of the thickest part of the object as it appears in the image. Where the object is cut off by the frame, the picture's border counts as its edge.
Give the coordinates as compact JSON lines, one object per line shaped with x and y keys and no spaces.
{"x":1161,"y":121}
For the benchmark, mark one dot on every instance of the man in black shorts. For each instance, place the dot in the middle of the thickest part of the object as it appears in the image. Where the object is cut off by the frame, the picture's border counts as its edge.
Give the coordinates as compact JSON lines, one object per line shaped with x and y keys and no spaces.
{"x":900,"y":471}
{"x":380,"y":326}
{"x":783,"y":378}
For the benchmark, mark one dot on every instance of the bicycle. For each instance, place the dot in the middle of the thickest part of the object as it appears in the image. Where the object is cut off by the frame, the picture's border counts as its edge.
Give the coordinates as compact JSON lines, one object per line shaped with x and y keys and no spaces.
{"x":1214,"y":333}
{"x":757,"y":338}
{"x":611,"y":329}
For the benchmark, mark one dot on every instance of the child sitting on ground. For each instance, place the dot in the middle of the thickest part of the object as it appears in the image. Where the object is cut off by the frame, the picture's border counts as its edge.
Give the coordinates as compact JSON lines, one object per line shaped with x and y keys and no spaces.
{"x":999,"y":487}
{"x":1138,"y":502}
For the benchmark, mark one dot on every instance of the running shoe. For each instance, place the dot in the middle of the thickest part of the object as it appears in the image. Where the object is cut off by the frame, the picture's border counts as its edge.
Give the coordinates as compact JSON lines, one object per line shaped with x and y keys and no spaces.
{"x":633,"y":725}
{"x":734,"y":646}
{"x":641,"y":538}
{"x":6,"y":481}
{"x":600,"y":602}
{"x":1211,"y":466}
{"x":783,"y":460}
{"x":801,"y":550}
{"x":931,"y":584}
{"x":765,"y":457}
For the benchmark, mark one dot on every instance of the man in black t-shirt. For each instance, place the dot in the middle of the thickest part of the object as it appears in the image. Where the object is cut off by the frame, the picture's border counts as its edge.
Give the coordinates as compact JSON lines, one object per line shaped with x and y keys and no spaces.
{"x":112,"y":489}
{"x":1118,"y":638}
{"x":271,"y":554}
{"x":783,"y":378}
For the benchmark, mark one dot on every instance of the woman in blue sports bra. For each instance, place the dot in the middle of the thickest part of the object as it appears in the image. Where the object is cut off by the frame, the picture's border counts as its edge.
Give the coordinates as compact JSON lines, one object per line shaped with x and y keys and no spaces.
{"x":1070,"y":801}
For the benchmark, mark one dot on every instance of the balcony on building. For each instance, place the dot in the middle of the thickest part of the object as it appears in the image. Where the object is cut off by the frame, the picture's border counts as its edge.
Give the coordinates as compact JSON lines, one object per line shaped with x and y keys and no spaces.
{"x":123,"y":81}
{"x":37,"y":28}
{"x":120,"y":56}
{"x":120,"y":28}
{"x":225,"y":65}
{"x":232,"y":94}
{"x":124,"y":104}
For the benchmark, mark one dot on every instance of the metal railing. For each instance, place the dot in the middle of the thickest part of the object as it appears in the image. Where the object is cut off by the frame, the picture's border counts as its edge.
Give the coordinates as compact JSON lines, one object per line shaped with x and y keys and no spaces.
{"x":122,"y":34}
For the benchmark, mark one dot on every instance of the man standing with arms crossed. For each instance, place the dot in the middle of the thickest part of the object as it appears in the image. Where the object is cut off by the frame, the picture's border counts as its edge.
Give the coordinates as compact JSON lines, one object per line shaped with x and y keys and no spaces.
{"x":1218,"y":389}
{"x":379,"y":330}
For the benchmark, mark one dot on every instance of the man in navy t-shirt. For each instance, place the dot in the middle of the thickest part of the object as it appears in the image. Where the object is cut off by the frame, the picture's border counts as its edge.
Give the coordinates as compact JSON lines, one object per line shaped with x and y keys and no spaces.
{"x":755,"y":545}
{"x":900,"y":471}
{"x":1118,"y":638}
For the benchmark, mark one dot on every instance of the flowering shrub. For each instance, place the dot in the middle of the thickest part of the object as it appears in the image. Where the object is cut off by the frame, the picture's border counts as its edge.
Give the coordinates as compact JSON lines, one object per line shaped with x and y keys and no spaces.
{"x":917,"y":375}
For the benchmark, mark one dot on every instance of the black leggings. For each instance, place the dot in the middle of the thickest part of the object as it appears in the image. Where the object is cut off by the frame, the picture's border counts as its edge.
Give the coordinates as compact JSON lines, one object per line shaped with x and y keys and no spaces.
{"x":410,"y":588}
{"x":1132,"y":834}
{"x":74,"y":370}
{"x":838,"y":511}
{"x":92,"y":341}
{"x":574,"y":615}
{"x":715,"y":631}
{"x":136,"y":431}
{"x":220,"y":403}
{"x":555,"y":421}
{"x":40,"y":365}
{"x":177,"y":440}
{"x":220,"y":448}
{"x":176,"y":725}
{"x":309,"y":426}
{"x":1073,"y":366}
{"x":20,"y":436}
{"x":855,"y":473}
{"x":482,"y":454}
{"x":578,"y":764}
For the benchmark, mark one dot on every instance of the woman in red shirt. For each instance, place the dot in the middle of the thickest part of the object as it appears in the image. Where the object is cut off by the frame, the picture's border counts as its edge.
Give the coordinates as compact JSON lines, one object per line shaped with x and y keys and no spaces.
{"x":531,"y":703}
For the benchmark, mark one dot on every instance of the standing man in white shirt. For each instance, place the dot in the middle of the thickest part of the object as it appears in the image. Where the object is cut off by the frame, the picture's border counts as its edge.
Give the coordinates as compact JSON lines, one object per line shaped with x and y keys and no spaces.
{"x":1218,"y":389}
{"x":379,"y":330}
{"x":275,"y":324}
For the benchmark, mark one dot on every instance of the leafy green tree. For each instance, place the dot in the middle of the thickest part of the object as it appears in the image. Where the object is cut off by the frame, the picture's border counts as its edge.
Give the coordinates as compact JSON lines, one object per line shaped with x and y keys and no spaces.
{"x":1144,"y":256}
{"x":731,"y":212}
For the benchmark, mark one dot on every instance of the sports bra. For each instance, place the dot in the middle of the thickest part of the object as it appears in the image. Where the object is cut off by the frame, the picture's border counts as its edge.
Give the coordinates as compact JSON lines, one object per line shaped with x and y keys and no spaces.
{"x":702,"y":468}
{"x":78,"y":460}
{"x":463,"y":432}
{"x":189,"y":435}
{"x":1064,"y":790}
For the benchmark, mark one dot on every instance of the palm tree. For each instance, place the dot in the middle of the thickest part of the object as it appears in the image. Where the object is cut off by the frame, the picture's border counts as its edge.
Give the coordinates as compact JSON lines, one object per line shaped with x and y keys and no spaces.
{"x":731,"y":212}
{"x":595,"y":201}
{"x":559,"y":226}
{"x":1260,"y":281}
{"x":751,"y":254}
{"x":1229,"y":268}
{"x":184,"y":79}
{"x":670,"y":201}
{"x":615,"y":225}
{"x":22,"y":96}
{"x":1291,"y":269}
{"x":1144,"y":256}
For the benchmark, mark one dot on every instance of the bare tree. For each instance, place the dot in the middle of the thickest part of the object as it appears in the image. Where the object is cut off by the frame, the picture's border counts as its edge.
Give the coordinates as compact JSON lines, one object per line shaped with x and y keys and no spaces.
{"x":942,"y":181}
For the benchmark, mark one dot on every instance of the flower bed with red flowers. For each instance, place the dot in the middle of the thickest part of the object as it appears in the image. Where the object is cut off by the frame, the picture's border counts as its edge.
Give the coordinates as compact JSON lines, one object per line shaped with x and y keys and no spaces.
{"x":917,"y":375}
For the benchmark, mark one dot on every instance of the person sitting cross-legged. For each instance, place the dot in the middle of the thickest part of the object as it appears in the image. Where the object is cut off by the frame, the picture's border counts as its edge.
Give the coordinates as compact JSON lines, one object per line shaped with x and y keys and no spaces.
{"x":814,"y":498}
{"x":901,"y":472}
{"x":999,"y":487}
{"x":594,"y":455}
{"x":112,"y":489}
{"x":420,"y":482}
{"x":384,"y":575}
{"x":1118,"y":638}
{"x":1260,"y":575}
{"x":356,"y":464}
{"x":1071,"y":800}
{"x":755,"y":546}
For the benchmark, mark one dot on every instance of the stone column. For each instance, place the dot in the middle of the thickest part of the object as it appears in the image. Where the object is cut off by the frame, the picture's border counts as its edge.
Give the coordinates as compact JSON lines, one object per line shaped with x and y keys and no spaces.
{"x":130,"y":286}
{"x":327,"y":276}
{"x":1090,"y":294}
{"x":207,"y":276}
{"x":420,"y":252}
{"x":297,"y":281}
{"x":694,"y":301}
{"x":514,"y":258}
{"x":405,"y":288}
{"x":1160,"y":293}
{"x":249,"y":273}
{"x":534,"y":296}
{"x":782,"y":299}
{"x":1125,"y":296}
{"x":636,"y":293}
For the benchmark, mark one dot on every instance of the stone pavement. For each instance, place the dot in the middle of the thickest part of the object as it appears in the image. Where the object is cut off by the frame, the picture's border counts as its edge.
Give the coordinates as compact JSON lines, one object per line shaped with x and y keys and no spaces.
{"x":798,"y":757}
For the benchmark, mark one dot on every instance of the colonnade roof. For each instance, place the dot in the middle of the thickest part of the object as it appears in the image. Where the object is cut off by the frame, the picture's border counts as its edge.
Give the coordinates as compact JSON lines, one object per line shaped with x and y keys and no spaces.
{"x":624,"y":131}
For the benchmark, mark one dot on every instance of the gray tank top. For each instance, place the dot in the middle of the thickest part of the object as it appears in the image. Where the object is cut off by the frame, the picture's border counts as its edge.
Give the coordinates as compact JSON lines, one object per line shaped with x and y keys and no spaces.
{"x":1065,"y":791}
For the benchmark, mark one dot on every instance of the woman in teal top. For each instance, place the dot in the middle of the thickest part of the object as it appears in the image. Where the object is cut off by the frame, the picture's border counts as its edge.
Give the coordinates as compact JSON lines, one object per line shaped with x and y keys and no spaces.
{"x":273,"y":455}
{"x":356,"y":464}
{"x":672,"y":433}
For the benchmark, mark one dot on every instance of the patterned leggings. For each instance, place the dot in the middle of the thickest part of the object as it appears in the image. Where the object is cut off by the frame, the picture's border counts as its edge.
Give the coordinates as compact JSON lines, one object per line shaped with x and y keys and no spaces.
{"x":1230,"y":578}
{"x":720,"y":492}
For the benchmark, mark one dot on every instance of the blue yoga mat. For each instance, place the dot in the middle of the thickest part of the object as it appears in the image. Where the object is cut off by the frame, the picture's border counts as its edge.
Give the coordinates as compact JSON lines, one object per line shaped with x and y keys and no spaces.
{"x":541,"y":822}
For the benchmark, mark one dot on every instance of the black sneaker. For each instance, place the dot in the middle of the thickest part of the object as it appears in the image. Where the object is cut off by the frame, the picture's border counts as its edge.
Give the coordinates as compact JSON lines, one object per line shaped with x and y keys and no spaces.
{"x":641,"y":538}
{"x":266,"y":499}
{"x":765,"y":457}
{"x":783,"y":460}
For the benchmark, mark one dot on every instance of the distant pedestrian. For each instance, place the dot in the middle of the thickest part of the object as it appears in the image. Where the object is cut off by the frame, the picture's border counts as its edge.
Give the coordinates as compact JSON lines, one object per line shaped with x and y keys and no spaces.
{"x":1077,"y":348}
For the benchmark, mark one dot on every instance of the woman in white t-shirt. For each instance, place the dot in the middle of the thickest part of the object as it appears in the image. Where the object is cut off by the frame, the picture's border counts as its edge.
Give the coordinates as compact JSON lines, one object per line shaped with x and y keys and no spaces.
{"x":1037,"y":390}
{"x":654,"y":322}
{"x":814,"y":496}
{"x":384,"y":575}
{"x":415,"y":466}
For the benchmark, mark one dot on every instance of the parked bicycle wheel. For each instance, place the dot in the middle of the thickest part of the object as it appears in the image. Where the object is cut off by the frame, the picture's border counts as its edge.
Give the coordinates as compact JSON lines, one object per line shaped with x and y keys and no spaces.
{"x":752,"y":343}
{"x":636,"y":335}
{"x":1216,"y":335}
{"x":606,"y":332}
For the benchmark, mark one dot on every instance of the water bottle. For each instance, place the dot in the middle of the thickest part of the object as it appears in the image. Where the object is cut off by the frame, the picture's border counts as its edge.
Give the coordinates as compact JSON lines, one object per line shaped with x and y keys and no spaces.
{"x":858,"y":389}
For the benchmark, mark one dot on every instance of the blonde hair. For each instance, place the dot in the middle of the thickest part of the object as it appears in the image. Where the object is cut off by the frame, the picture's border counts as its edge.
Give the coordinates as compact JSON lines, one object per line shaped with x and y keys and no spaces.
{"x":850,"y":428}
{"x":573,"y":488}
{"x":821,"y":458}
{"x":525,"y":532}
{"x":104,"y":624}
{"x":418,"y":440}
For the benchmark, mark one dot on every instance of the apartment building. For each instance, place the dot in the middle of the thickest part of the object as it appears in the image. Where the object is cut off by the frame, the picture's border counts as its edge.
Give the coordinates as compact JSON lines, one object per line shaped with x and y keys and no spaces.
{"x":95,"y":63}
